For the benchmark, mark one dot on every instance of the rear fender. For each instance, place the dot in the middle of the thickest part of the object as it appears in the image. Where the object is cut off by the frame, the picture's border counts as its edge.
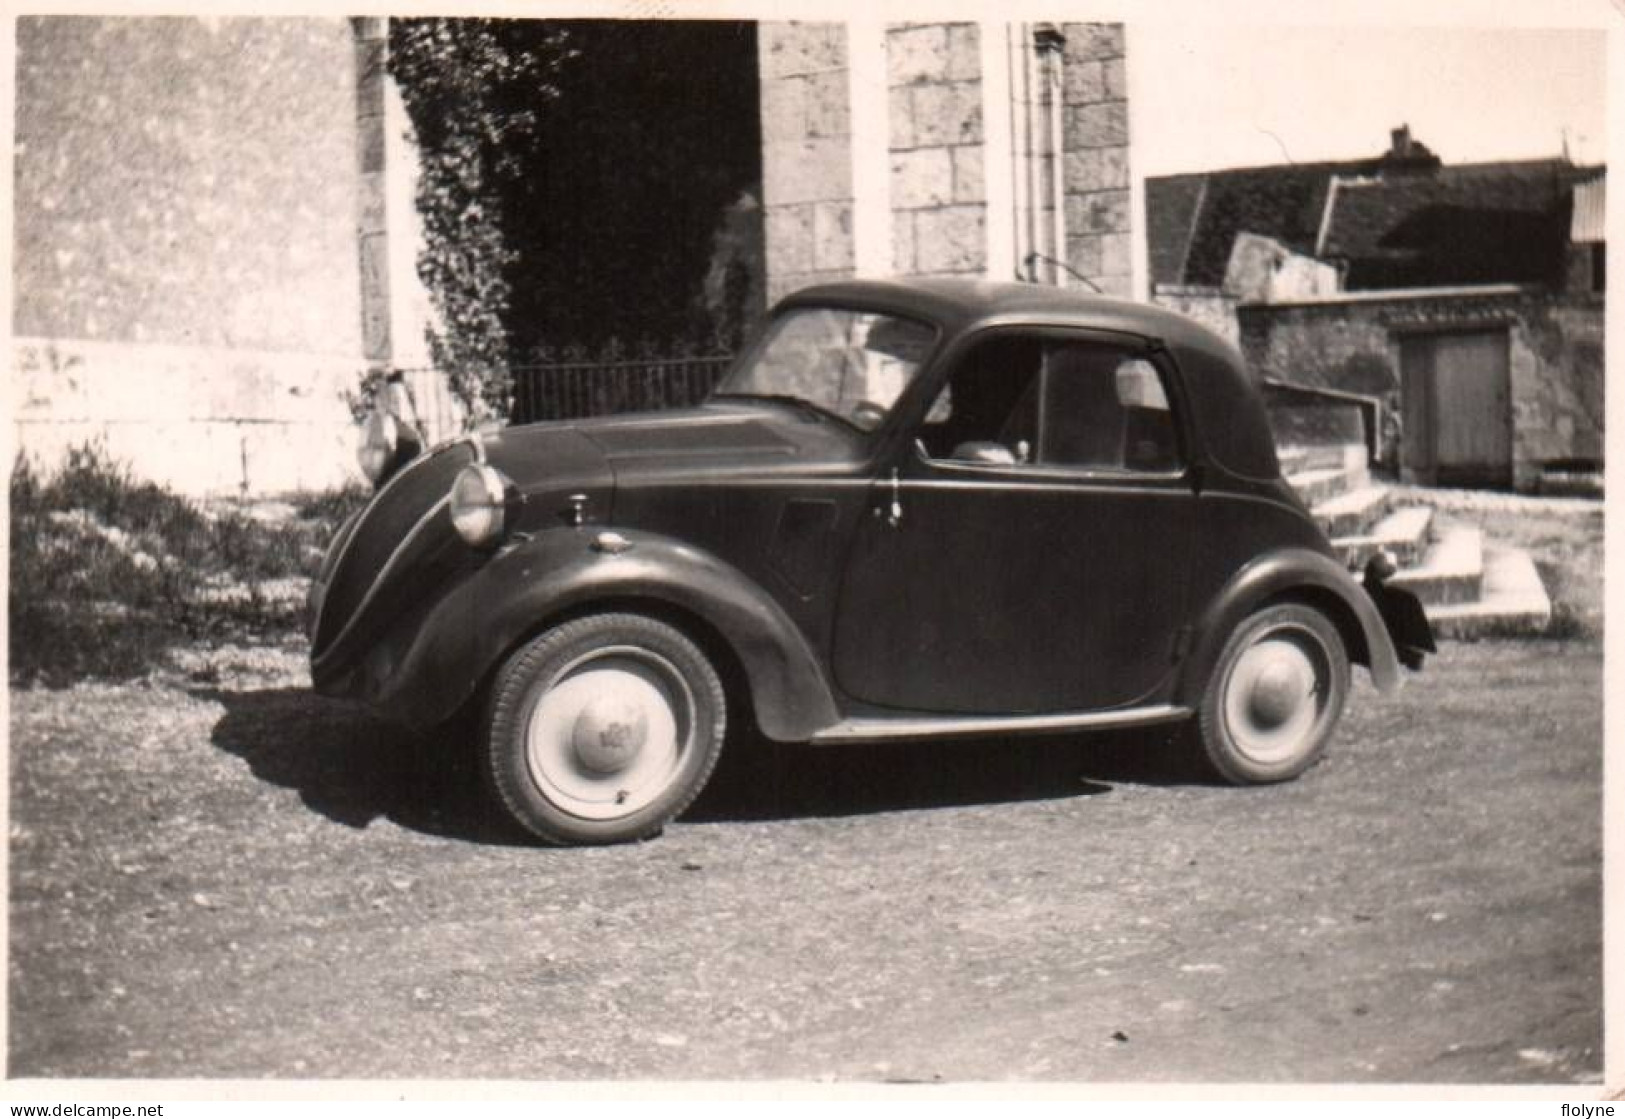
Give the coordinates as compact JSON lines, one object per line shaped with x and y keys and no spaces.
{"x":1292,"y":573}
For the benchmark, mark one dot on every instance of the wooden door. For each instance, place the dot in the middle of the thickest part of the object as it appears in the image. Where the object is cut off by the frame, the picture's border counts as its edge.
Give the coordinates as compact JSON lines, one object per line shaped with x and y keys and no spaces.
{"x":1458,"y":408}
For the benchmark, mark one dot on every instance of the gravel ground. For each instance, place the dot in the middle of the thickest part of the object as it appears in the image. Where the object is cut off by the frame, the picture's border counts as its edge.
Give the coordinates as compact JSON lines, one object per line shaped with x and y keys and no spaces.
{"x":218,"y":874}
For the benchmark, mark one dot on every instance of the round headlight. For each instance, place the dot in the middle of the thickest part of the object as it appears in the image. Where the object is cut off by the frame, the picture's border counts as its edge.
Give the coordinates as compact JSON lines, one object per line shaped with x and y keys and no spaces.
{"x":380,"y":438}
{"x":478,"y":504}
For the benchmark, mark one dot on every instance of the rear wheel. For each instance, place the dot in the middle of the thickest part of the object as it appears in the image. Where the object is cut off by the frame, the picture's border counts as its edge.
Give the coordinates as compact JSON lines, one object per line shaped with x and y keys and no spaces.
{"x":603,"y":729}
{"x":1275,"y":696}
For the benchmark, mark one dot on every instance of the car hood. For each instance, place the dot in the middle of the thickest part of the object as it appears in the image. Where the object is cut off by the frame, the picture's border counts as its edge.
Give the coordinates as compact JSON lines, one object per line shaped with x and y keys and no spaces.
{"x":731,"y":436}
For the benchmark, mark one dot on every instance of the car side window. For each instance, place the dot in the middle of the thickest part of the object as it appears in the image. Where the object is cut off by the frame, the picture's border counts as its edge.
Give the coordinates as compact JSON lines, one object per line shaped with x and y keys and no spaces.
{"x":1046,"y":402}
{"x":1105,"y":410}
{"x":988,"y":410}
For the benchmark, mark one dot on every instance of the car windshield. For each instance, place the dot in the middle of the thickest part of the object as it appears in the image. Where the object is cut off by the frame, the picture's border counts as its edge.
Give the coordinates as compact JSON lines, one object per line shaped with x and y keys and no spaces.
{"x":850,"y":364}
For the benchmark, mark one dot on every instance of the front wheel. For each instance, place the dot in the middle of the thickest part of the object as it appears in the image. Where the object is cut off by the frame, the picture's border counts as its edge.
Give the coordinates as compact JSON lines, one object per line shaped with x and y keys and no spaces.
{"x":603,"y":729}
{"x":1275,"y":695}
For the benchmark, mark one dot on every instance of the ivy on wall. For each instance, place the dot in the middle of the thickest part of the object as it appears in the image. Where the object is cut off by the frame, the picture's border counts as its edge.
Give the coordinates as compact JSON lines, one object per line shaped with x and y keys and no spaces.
{"x":581,"y":182}
{"x":475,"y":91}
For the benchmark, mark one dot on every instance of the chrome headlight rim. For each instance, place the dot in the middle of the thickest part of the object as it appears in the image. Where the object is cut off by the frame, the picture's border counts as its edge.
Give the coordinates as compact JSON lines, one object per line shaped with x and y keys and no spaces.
{"x":479,"y":504}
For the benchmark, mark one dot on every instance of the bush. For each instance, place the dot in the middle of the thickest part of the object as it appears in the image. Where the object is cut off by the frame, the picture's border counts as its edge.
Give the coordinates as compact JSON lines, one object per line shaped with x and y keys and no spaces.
{"x":109,"y":573}
{"x":330,"y":507}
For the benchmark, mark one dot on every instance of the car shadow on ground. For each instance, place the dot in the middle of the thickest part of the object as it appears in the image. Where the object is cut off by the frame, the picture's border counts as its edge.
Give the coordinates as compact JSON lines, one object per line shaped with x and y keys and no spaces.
{"x":758,"y":780}
{"x":353,"y":769}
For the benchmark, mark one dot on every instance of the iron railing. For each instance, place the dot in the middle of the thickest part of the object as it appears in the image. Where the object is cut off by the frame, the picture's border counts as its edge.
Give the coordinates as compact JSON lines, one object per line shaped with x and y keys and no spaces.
{"x":569,"y":390}
{"x":574,"y":389}
{"x":440,"y":414}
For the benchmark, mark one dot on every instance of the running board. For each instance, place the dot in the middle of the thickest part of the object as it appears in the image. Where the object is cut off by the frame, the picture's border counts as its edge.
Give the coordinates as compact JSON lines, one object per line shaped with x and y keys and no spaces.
{"x":876,"y":730}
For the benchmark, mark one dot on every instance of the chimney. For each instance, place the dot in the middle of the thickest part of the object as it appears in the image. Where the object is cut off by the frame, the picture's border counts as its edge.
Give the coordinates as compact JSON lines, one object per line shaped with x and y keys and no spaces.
{"x":1407,"y":155}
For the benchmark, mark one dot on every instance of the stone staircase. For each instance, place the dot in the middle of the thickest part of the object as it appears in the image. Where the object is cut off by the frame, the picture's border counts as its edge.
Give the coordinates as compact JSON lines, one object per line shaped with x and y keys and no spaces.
{"x":1469,"y":586}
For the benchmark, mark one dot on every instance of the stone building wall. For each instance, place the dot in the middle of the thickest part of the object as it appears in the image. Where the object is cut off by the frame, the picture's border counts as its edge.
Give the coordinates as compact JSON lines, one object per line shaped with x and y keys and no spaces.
{"x":186,"y":181}
{"x":952,"y":113}
{"x":202,"y":420}
{"x":938,"y":157}
{"x":1555,"y":353}
{"x":1208,"y":306}
{"x":1099,"y":222}
{"x":185,"y":246}
{"x":1262,"y":270}
{"x":806,"y":153}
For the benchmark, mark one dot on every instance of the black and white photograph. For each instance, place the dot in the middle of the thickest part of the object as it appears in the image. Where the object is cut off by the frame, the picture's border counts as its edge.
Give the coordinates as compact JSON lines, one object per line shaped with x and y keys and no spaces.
{"x":592,"y":546}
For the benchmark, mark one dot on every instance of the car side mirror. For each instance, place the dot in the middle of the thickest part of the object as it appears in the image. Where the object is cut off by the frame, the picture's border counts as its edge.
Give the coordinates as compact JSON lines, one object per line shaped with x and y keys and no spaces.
{"x":983,"y":451}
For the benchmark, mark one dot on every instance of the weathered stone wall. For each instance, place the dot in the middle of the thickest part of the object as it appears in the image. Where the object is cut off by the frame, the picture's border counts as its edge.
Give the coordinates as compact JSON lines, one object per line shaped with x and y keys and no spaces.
{"x":185,"y":267}
{"x":1565,"y":414}
{"x":1555,"y":346}
{"x":938,"y":158}
{"x":966,"y":136}
{"x":186,"y":181}
{"x":203,"y":420}
{"x":1213,"y":309}
{"x":1262,"y":270}
{"x":1099,"y":221}
{"x":806,"y":154}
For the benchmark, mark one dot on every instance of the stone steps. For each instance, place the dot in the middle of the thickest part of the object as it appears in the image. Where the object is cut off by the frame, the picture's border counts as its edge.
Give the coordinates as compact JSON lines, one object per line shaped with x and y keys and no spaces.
{"x":1451,"y":572}
{"x":1326,"y":482}
{"x":1513,"y":601}
{"x":1468,"y":587}
{"x":1296,"y":460}
{"x":1404,"y":534}
{"x":1351,"y":513}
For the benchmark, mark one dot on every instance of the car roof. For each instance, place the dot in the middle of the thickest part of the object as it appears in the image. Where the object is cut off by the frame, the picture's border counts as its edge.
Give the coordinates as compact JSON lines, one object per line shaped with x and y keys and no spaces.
{"x":1218,"y":384}
{"x":957,"y":304}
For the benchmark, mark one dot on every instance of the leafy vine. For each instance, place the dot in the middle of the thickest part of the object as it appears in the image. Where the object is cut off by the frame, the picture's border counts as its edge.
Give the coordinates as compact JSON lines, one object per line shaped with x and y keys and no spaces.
{"x":474,"y":91}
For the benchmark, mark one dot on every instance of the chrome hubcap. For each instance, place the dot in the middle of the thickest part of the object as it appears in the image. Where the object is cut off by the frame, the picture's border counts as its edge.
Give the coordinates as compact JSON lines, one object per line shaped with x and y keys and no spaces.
{"x":608,"y":735}
{"x":1275,"y":697}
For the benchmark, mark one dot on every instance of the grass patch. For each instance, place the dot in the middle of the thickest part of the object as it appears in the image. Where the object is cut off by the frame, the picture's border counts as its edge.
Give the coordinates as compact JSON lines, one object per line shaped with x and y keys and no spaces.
{"x":330,"y":507}
{"x":109,"y":573}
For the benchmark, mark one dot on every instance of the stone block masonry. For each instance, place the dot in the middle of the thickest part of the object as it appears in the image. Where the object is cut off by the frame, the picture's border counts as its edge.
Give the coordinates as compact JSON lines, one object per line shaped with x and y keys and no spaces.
{"x":1099,"y":223}
{"x":372,"y":209}
{"x":806,"y":153}
{"x":938,"y":158}
{"x":204,"y":421}
{"x":1554,"y":353}
{"x":191,"y":240}
{"x":945,"y":149}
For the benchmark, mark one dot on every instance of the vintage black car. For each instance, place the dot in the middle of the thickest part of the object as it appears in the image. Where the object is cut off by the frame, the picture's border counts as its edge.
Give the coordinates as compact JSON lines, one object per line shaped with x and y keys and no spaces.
{"x":911,"y":510}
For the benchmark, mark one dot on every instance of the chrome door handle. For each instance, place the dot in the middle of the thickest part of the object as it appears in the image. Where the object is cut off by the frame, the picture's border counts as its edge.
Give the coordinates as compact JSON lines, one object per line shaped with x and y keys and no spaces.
{"x":894,"y":513}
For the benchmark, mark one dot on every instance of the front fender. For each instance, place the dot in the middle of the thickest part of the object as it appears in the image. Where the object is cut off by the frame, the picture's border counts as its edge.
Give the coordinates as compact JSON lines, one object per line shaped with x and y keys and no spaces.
{"x":556,"y":572}
{"x":1291,"y":572}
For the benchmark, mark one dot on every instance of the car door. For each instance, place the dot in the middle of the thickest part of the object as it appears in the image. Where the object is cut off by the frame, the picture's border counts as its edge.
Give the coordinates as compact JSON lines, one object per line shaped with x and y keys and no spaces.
{"x":1027,"y":553}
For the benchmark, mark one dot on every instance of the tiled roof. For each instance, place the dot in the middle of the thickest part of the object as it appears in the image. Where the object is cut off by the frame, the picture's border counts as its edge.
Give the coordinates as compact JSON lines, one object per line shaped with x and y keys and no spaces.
{"x":1280,"y":202}
{"x":1170,"y":210}
{"x":1395,"y":226}
{"x":1469,"y":224}
{"x":1191,"y":245}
